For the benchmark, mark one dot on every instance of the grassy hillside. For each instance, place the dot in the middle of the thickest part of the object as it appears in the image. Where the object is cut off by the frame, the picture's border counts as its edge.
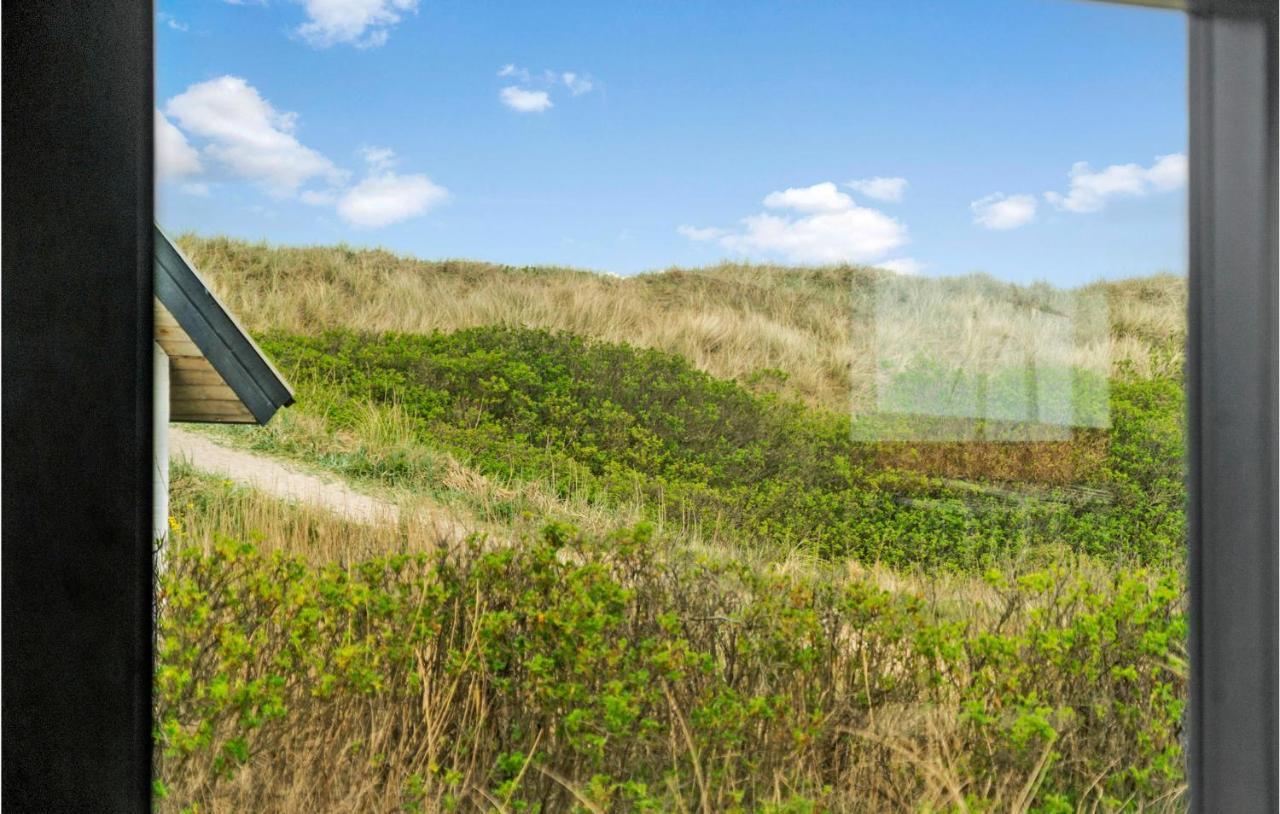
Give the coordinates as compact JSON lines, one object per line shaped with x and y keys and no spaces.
{"x":614,"y":426}
{"x":703,"y":576}
{"x":733,"y":321}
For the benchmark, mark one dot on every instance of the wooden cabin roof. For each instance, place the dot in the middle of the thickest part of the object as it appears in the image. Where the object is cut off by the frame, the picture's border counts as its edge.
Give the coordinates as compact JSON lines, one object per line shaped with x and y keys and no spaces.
{"x":217,"y":373}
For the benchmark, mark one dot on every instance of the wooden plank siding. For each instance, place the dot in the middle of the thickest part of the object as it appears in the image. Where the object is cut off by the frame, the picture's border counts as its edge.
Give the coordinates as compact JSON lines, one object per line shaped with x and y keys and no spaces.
{"x":197,"y":392}
{"x":210,"y":411}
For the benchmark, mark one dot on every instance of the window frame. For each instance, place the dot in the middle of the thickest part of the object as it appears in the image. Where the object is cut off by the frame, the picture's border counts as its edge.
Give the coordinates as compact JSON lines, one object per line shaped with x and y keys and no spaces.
{"x":1232,"y":718}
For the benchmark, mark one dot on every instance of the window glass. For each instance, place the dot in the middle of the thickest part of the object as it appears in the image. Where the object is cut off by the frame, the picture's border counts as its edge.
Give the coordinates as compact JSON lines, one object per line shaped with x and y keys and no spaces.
{"x":698,"y":407}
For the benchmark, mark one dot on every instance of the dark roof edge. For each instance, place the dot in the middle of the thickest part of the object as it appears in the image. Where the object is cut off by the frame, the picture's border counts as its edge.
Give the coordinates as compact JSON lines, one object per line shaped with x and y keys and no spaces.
{"x":217,"y":334}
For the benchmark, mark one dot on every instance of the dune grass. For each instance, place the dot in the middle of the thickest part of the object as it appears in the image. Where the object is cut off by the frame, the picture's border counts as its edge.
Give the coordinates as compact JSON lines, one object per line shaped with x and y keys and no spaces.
{"x":734,"y":321}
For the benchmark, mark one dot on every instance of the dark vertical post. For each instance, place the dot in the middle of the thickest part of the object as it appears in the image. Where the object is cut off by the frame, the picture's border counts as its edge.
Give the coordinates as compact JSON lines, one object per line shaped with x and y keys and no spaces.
{"x":77,"y":163}
{"x":1233,"y":409}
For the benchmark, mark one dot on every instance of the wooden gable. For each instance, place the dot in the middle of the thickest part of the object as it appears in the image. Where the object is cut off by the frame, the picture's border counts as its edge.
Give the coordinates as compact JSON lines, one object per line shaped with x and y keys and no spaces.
{"x":217,"y":373}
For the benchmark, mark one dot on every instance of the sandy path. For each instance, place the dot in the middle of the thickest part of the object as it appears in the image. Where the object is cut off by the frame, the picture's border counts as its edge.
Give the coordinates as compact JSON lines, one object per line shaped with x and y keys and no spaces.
{"x":282,"y":480}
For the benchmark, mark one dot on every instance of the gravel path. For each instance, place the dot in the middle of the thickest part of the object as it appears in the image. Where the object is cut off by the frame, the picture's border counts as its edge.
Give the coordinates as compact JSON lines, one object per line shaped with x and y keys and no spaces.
{"x":282,"y":480}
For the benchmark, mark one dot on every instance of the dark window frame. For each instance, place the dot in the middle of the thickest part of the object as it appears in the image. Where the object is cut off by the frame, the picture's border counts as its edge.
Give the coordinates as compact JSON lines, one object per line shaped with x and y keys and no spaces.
{"x":77,"y":294}
{"x":77,"y":377}
{"x":1232,"y":408}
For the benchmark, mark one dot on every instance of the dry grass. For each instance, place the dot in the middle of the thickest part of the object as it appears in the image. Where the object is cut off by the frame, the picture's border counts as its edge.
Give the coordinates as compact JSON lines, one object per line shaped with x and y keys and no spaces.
{"x":428,"y":741}
{"x":381,"y":450}
{"x":213,"y":508}
{"x":731,"y":320}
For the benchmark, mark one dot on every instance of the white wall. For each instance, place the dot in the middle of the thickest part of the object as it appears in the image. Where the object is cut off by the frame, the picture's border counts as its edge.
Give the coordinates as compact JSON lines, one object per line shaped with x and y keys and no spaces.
{"x":160,"y":441}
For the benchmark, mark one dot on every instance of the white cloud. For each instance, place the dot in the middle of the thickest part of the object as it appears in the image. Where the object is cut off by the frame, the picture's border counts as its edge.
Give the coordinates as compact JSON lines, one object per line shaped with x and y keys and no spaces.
{"x":701,"y":234}
{"x":1168,"y":172}
{"x":362,"y":23}
{"x":175,"y":158}
{"x":525,"y":101}
{"x":380,"y":158}
{"x":576,"y":83}
{"x":250,"y":137}
{"x":172,"y":22}
{"x":822,"y":197}
{"x":853,"y":236}
{"x":999,"y":211}
{"x":902,"y":265}
{"x":881,"y":189}
{"x":1090,"y":189}
{"x":533,"y":94}
{"x":255,"y":142}
{"x":828,"y":227}
{"x":387,"y":198}
{"x":510,"y":69}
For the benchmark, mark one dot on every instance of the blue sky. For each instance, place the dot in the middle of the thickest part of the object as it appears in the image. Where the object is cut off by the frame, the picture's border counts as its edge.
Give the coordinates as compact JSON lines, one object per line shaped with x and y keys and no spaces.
{"x":1037,"y":139}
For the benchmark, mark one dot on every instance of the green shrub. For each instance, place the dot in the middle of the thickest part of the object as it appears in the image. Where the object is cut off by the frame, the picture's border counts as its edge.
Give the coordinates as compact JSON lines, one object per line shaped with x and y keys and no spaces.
{"x":616,"y":423}
{"x":624,"y":675}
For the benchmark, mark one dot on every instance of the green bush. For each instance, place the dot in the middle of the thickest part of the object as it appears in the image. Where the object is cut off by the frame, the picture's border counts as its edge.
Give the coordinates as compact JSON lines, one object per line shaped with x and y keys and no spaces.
{"x":617,"y":423}
{"x":623,"y":675}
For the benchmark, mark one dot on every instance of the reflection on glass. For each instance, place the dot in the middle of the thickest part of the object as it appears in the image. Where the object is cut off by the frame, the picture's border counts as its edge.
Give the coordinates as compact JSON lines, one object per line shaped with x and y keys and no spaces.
{"x":971,"y":359}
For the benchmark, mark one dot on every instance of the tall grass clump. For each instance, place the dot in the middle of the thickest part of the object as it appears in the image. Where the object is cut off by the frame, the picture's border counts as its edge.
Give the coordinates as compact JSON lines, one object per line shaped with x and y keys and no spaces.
{"x":572,"y":673}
